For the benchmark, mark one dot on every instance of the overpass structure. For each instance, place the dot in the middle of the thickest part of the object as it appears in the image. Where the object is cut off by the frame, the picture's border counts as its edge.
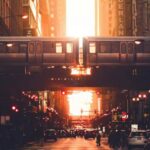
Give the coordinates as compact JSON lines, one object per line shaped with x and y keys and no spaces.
{"x":41,"y":62}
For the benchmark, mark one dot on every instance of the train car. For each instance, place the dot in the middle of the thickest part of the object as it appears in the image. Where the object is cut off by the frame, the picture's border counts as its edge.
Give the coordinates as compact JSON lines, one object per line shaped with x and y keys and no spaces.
{"x":38,"y":51}
{"x":99,"y":51}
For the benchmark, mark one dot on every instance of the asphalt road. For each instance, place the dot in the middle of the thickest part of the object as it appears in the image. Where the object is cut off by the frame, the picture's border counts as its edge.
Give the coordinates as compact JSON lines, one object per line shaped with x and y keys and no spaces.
{"x":69,"y":144}
{"x":72,"y":144}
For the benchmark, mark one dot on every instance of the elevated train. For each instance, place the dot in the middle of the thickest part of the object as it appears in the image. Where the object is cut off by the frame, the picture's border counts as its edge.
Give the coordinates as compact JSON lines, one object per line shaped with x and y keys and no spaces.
{"x":38,"y":51}
{"x":45,"y":52}
{"x":118,"y":51}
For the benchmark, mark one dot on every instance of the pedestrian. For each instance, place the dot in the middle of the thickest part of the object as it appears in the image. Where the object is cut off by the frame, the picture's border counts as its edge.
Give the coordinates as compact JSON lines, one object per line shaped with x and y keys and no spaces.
{"x":147,"y":146}
{"x":111,"y":139}
{"x":98,"y":139}
{"x":41,"y":135}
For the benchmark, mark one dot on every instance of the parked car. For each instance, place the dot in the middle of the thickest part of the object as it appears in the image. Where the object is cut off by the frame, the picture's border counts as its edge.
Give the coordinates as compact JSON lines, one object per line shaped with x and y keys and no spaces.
{"x":137,"y":138}
{"x":50,"y":134}
{"x":90,"y":134}
{"x":147,"y":146}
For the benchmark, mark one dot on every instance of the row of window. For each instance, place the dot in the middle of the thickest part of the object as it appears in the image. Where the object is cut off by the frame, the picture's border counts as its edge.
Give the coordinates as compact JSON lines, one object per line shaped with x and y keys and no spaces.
{"x":59,"y":47}
{"x":47,"y":47}
{"x":116,"y":47}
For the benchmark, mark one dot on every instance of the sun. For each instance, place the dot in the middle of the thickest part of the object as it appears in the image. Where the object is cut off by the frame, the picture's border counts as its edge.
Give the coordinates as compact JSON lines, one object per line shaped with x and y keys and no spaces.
{"x":80,"y":103}
{"x":80,"y":18}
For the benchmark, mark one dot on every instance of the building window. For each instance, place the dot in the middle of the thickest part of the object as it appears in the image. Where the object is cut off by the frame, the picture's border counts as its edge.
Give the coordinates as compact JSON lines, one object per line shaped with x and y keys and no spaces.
{"x":58,"y":47}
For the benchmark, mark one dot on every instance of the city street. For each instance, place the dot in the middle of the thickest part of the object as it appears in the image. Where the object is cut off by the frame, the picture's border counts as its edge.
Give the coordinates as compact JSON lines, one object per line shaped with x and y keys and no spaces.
{"x":72,"y":144}
{"x":75,"y":71}
{"x":69,"y":144}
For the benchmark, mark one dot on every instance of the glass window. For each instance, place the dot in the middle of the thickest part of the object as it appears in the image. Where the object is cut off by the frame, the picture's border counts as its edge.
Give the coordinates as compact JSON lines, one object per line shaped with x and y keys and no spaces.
{"x":12,"y":47}
{"x":92,"y":47}
{"x":31,"y":47}
{"x":139,"y":48}
{"x":23,"y":48}
{"x":2,"y":47}
{"x":48,"y":47}
{"x":115,"y":47}
{"x":58,"y":47}
{"x":38,"y":47}
{"x":105,"y":47}
{"x":69,"y":47}
{"x":123,"y":48}
{"x":130,"y":47}
{"x":147,"y":47}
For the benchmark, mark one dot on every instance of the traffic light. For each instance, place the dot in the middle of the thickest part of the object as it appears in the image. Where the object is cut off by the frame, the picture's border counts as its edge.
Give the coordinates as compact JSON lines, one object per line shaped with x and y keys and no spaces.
{"x":63,"y":92}
{"x":14,"y":108}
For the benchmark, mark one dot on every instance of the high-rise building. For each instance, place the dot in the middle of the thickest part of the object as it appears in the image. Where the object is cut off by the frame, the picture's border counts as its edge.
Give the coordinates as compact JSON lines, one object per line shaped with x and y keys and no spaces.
{"x":10,"y":17}
{"x":106,"y":18}
{"x":57,"y":18}
{"x":140,"y":17}
{"x":122,"y":17}
{"x":45,"y":17}
{"x":32,"y":25}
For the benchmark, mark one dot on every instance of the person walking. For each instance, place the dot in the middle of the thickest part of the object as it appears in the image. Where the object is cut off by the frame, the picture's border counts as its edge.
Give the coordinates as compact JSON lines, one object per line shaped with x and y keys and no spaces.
{"x":98,"y":139}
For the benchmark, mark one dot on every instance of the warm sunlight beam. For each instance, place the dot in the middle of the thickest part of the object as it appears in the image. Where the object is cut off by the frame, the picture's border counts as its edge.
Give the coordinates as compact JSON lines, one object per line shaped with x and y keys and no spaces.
{"x":80,"y":18}
{"x":80,"y":103}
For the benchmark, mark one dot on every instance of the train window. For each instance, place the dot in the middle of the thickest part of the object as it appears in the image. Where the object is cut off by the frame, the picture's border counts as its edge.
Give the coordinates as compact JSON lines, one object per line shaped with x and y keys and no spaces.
{"x":58,"y":47}
{"x":130,"y":47}
{"x":12,"y":47}
{"x":69,"y":47}
{"x":123,"y":48}
{"x":115,"y":47}
{"x":105,"y":47}
{"x":48,"y":47}
{"x":147,"y":47}
{"x":23,"y":47}
{"x":2,"y":47}
{"x":38,"y":47}
{"x":92,"y":47}
{"x":31,"y":47}
{"x":139,"y":48}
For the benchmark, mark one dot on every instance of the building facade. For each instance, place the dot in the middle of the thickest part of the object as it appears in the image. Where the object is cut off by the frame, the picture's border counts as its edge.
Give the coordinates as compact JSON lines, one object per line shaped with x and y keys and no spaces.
{"x":45,"y":17}
{"x":10,"y":17}
{"x":37,"y":22}
{"x":32,"y":25}
{"x":122,"y":18}
{"x":57,"y":18}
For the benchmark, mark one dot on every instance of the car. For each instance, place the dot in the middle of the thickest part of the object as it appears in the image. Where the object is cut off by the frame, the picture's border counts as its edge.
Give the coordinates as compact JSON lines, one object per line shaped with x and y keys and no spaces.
{"x":137,"y":138}
{"x":50,"y":134}
{"x":89,"y":134}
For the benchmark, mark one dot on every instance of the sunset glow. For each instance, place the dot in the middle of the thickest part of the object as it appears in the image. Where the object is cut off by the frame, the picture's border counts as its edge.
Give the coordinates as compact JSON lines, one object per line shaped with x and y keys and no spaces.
{"x":80,"y":18}
{"x":80,"y":103}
